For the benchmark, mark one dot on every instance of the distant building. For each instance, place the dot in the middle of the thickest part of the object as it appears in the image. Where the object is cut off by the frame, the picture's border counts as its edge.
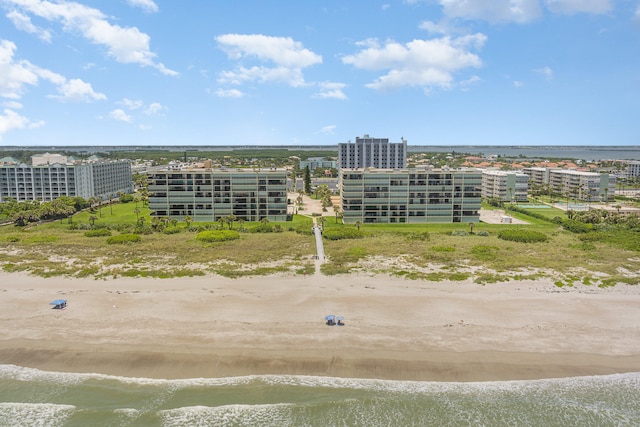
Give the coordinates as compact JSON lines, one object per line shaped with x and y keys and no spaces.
{"x":53,"y":175}
{"x":579,"y":185}
{"x":210,"y":194}
{"x":537,"y":175}
{"x":410,"y":195}
{"x":369,"y":152}
{"x":505,"y":185}
{"x":633,"y":169}
{"x":318,"y":162}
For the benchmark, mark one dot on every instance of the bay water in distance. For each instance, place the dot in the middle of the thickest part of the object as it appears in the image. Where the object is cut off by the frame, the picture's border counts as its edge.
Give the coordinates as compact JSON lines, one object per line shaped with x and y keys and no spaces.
{"x":578,"y":152}
{"x":29,"y":397}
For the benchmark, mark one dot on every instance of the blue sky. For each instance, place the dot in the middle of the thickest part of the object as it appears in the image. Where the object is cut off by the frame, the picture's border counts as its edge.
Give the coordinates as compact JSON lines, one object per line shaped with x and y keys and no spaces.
{"x":204,"y":72}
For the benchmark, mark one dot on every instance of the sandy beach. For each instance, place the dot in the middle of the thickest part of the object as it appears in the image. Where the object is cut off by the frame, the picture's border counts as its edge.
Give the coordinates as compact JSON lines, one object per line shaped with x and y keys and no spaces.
{"x":394,"y":328}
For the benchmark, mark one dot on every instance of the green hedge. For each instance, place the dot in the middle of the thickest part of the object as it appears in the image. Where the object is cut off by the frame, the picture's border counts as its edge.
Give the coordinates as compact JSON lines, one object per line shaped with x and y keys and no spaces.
{"x":102,"y":232}
{"x":217,"y":235}
{"x":342,"y":233}
{"x":171,"y":230}
{"x":524,"y":236}
{"x":576,"y":226}
{"x":122,"y":239}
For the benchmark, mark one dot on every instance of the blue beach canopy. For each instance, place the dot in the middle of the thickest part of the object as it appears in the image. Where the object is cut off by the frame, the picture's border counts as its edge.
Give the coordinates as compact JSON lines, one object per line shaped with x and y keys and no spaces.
{"x":58,"y":302}
{"x":330,"y":317}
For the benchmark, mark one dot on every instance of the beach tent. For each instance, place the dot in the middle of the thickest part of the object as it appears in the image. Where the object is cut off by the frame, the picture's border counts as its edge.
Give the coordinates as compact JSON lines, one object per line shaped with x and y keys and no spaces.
{"x":59,"y":304}
{"x":331,"y":319}
{"x":339,"y":319}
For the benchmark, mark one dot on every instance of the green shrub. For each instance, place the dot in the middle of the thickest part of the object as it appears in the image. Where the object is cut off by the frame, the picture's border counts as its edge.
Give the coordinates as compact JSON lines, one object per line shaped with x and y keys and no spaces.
{"x":342,"y":233}
{"x":101,"y":232}
{"x":459,"y":233}
{"x":263,"y":228}
{"x":523,"y":236}
{"x":126,"y":198}
{"x":422,"y":235}
{"x":443,"y":249}
{"x":482,"y":233}
{"x":576,"y":226}
{"x":305,"y":230}
{"x":210,"y":236}
{"x":171,"y":230}
{"x":122,"y":239}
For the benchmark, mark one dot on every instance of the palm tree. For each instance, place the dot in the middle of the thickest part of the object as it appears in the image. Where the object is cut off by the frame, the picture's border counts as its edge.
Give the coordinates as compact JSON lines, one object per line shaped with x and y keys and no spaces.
{"x":336,"y":209}
{"x":187,"y":220}
{"x":358,"y":224}
{"x":137,"y":212}
{"x":92,"y":220}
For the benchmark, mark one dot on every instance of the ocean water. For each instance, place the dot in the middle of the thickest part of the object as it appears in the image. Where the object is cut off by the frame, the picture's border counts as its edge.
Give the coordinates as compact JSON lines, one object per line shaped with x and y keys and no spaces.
{"x":29,"y":397}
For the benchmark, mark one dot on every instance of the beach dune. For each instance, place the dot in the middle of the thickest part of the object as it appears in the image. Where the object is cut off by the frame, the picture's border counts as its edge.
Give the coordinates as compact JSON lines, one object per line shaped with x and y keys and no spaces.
{"x":394,"y":328}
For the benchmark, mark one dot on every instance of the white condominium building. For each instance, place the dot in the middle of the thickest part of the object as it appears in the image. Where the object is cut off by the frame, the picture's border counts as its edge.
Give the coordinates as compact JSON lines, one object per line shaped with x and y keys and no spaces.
{"x":52,"y":175}
{"x":578,"y":185}
{"x":369,"y":152}
{"x":207,"y":194}
{"x":410,"y":195}
{"x":505,"y":185}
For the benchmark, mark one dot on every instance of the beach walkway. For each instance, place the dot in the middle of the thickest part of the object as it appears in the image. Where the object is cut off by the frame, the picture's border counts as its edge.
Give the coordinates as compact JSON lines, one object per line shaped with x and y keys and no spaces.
{"x":317,"y":231}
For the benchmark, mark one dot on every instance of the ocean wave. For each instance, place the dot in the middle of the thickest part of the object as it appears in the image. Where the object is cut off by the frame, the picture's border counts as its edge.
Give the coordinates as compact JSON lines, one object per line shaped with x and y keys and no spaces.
{"x":15,"y":414}
{"x":14,"y":372}
{"x":229,"y":415}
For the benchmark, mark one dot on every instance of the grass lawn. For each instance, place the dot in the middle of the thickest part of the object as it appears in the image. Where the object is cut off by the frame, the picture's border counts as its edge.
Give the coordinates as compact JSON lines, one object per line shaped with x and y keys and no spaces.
{"x":419,"y":251}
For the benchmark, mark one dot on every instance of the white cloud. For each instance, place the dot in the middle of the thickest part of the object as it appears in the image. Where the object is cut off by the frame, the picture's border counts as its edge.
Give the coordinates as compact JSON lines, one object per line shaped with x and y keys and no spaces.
{"x":282,"y":51}
{"x":146,"y":5}
{"x":154,"y":109}
{"x":23,"y":23}
{"x":637,"y":15}
{"x":10,"y":120}
{"x":288,"y":56}
{"x":545,"y":71}
{"x":494,"y":11}
{"x":328,"y":130}
{"x":14,"y":75}
{"x":120,"y":115}
{"x":435,"y":27}
{"x":126,"y":45}
{"x":569,"y":7}
{"x":425,"y":63}
{"x":131,"y":105}
{"x":229,"y":93}
{"x":331,"y":90}
{"x":13,"y":105}
{"x":76,"y":90}
{"x":291,"y":76}
{"x":517,"y":83}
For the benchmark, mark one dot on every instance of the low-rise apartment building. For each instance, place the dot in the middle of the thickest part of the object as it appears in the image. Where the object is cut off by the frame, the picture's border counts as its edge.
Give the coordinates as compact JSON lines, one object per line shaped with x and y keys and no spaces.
{"x":506,"y":185}
{"x":578,"y":185}
{"x":410,"y":195}
{"x":210,"y":194}
{"x":52,"y":175}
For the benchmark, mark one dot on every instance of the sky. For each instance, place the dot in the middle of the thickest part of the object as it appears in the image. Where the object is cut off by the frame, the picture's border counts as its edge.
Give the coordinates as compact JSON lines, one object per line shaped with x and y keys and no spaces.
{"x":259,"y":72}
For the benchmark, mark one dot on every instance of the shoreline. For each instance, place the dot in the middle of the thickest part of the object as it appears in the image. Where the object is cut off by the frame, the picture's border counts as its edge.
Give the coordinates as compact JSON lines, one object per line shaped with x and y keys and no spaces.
{"x":438,"y":366}
{"x":396,"y":329}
